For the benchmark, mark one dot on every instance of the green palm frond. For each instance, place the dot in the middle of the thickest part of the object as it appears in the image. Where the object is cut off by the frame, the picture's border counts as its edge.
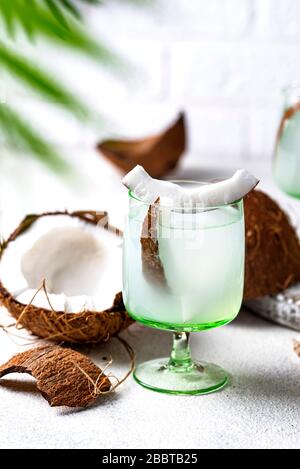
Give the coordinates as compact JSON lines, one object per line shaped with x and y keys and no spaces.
{"x":35,"y":17}
{"x":71,"y":8}
{"x":40,"y":82}
{"x":18,"y":134}
{"x":56,"y":11}
{"x":58,"y":22}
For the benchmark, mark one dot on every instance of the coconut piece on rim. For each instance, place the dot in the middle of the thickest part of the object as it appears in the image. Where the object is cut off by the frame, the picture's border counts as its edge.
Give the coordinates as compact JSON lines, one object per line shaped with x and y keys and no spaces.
{"x":224,"y":192}
{"x":272,"y":247}
{"x":76,"y":257}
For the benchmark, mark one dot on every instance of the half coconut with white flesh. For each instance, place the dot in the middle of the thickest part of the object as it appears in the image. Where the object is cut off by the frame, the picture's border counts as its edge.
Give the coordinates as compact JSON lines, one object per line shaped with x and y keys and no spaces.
{"x":60,"y":274}
{"x":171,"y":264}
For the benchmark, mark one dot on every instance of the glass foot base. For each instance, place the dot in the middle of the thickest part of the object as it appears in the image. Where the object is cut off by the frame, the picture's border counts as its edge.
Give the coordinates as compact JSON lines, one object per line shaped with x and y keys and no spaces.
{"x":201,"y":378}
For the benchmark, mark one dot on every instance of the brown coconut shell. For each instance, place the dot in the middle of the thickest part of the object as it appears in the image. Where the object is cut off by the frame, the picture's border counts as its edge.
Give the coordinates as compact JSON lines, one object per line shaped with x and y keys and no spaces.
{"x":297,"y":347}
{"x":158,"y":154}
{"x":153,"y":269}
{"x":63,"y":376}
{"x":288,"y":114}
{"x":81,"y":327}
{"x":272,"y":247}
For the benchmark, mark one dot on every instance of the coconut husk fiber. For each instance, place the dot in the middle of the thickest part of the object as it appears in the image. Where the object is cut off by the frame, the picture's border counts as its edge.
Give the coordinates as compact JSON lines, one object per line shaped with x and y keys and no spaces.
{"x":81,"y":327}
{"x":158,"y":154}
{"x":272,"y":247}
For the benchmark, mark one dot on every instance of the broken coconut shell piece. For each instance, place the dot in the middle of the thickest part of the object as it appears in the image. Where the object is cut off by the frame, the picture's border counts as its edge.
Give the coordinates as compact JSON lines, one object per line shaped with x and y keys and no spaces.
{"x":64,"y":377}
{"x":59,"y":274}
{"x":297,"y":347}
{"x":153,"y":269}
{"x":157,"y":154}
{"x":272,"y":247}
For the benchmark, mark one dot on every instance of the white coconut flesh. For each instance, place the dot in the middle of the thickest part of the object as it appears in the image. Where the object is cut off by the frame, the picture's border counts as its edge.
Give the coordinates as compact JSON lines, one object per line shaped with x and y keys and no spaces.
{"x":224,"y":192}
{"x":80,"y":263}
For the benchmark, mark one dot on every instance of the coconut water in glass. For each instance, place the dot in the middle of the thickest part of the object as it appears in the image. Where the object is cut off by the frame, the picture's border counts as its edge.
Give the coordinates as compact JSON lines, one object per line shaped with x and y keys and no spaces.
{"x":286,"y":166}
{"x":198,"y":286}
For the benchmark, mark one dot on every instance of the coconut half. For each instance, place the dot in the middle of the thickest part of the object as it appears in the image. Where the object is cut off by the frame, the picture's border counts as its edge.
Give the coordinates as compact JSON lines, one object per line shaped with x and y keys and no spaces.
{"x":272,"y":247}
{"x":77,"y":258}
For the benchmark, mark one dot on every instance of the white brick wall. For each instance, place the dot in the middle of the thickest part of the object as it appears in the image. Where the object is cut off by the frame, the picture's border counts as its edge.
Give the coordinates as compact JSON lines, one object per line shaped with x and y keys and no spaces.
{"x":224,"y":61}
{"x":284,"y":15}
{"x":231,"y":74}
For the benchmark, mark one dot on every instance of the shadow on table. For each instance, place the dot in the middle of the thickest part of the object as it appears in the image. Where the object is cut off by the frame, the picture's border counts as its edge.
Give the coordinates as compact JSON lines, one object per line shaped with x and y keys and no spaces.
{"x":250,"y":320}
{"x":146,"y":343}
{"x":28,"y":387}
{"x":272,"y":385}
{"x":151,"y":343}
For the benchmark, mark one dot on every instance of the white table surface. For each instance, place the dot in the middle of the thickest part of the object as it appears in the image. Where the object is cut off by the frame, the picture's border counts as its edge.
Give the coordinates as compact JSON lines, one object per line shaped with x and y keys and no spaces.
{"x":260,"y":408}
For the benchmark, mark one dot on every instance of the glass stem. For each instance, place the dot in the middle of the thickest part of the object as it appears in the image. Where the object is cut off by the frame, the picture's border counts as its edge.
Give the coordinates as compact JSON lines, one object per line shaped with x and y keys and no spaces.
{"x":180,"y":360}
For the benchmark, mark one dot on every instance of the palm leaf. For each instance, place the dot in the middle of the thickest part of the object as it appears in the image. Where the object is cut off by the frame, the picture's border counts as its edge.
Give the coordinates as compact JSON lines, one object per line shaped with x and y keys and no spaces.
{"x":9,"y":21}
{"x":55,"y":9}
{"x":70,"y":7}
{"x":20,"y":136}
{"x":141,"y":3}
{"x":57,"y":22}
{"x":93,"y":2}
{"x":40,"y":82}
{"x":36,"y":19}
